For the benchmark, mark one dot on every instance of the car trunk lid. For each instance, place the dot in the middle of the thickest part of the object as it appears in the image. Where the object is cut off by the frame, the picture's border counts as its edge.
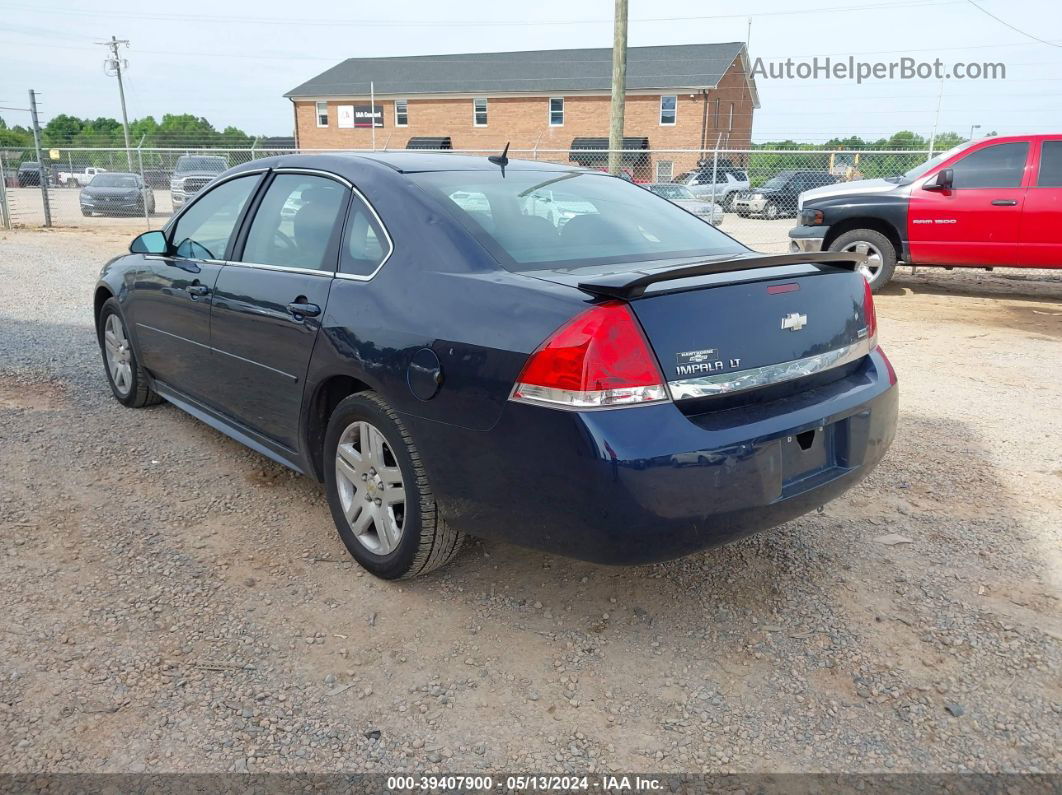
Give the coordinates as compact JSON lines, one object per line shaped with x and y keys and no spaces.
{"x":731,"y":326}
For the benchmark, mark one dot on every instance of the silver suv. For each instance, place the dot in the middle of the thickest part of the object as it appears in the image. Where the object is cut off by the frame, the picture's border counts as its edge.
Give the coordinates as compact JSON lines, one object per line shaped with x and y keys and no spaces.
{"x":728,"y":184}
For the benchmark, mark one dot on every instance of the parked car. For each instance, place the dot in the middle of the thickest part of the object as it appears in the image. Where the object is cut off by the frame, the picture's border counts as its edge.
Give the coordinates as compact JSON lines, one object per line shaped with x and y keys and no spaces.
{"x":990,"y":203}
{"x":681,"y":195}
{"x":720,"y":182}
{"x":192,"y":173}
{"x":29,"y":174}
{"x":116,"y":193}
{"x":80,"y":179}
{"x":779,"y":196}
{"x":631,"y":386}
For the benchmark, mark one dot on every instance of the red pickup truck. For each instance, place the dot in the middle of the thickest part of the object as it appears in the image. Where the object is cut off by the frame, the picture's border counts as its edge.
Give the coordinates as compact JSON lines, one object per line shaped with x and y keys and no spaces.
{"x":995,"y":202}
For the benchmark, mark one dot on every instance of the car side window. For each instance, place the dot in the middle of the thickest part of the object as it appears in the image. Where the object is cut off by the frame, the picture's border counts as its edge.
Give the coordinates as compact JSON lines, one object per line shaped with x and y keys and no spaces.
{"x":294,"y":225}
{"x":998,"y":166}
{"x":203,"y":231}
{"x":1050,"y":165}
{"x":365,"y":244}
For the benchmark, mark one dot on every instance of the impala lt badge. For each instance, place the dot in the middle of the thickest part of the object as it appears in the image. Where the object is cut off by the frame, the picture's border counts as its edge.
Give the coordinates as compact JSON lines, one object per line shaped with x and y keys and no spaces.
{"x":794,"y":321}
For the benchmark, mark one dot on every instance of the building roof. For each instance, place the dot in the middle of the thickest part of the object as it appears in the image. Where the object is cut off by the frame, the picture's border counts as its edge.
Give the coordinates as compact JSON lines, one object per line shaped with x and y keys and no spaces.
{"x":540,"y":72}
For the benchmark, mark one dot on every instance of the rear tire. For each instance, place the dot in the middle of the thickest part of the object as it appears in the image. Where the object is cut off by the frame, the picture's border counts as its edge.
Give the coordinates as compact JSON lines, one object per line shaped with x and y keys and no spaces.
{"x":129,"y":382}
{"x":882,"y":264}
{"x":379,"y":495}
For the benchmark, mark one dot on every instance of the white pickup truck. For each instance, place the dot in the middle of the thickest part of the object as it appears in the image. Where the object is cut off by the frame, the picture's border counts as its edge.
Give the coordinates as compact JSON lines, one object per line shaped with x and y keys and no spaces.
{"x":79,"y":179}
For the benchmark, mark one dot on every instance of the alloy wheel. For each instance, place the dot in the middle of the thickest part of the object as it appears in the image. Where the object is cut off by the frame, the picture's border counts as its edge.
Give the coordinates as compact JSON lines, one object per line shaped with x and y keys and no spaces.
{"x":119,"y":354}
{"x":371,"y":491}
{"x":872,"y":267}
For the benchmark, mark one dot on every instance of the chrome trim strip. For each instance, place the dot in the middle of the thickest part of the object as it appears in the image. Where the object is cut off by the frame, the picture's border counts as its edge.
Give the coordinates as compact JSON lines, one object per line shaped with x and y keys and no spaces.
{"x":281,"y":268}
{"x":742,"y":380}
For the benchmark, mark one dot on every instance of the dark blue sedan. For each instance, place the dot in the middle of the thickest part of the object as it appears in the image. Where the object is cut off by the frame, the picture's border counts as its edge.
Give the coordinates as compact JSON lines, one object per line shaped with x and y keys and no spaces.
{"x":524,"y":351}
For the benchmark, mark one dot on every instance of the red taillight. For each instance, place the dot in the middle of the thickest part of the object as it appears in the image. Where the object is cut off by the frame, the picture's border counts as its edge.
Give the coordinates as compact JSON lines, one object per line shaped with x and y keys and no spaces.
{"x":599,"y":358}
{"x":869,"y":314}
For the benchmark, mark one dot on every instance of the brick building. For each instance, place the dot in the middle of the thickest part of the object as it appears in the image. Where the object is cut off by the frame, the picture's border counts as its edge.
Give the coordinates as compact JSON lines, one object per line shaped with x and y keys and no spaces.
{"x":690,"y":96}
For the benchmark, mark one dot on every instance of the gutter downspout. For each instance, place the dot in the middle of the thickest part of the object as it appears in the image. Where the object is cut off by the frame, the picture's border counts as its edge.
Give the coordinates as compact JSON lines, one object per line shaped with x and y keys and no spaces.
{"x":295,"y":119}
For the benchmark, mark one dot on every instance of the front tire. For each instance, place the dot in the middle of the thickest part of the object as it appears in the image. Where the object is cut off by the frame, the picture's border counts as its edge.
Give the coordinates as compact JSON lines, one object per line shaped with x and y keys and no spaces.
{"x":770,"y":211}
{"x":379,"y":495}
{"x":881,"y":254}
{"x":129,"y":382}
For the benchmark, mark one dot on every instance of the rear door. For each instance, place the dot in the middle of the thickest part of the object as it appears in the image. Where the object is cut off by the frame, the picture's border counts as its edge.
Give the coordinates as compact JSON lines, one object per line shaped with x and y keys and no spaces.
{"x":269,"y":301}
{"x":978,"y":221}
{"x":170,"y":304}
{"x":1041,"y":229}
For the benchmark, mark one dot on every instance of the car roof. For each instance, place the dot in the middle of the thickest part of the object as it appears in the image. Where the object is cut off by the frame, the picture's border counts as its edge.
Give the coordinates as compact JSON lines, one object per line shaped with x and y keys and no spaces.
{"x":406,"y":162}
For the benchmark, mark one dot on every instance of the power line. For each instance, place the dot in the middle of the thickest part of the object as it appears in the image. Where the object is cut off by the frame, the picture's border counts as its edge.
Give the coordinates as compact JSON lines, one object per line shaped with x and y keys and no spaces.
{"x":1012,"y":27}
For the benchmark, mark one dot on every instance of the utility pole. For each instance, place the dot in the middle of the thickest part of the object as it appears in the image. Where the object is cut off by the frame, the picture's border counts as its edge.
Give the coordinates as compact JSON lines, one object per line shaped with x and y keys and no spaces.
{"x":40,"y":160}
{"x":936,"y":121}
{"x":619,"y":88}
{"x":116,"y":63}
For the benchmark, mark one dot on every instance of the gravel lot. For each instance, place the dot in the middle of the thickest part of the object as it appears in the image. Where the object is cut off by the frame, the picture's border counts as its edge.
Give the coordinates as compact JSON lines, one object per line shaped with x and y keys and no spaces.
{"x":175,"y":602}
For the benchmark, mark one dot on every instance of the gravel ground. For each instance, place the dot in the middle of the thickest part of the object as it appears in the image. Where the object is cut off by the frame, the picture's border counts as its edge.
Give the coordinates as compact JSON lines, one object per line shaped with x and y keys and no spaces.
{"x":175,"y":602}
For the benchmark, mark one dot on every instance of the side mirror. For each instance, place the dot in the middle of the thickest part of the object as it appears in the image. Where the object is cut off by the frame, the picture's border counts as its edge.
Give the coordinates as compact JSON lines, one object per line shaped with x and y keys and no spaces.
{"x":150,"y":243}
{"x":943,"y":181}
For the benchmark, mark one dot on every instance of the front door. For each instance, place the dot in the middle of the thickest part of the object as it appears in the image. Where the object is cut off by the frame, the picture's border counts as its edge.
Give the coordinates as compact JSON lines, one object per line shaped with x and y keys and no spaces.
{"x":977,"y":222}
{"x":170,"y":304}
{"x":270,"y":299}
{"x":1041,"y":229}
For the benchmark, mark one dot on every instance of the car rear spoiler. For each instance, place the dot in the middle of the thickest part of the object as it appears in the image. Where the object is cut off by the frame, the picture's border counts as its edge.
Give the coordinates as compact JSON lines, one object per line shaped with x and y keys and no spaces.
{"x":626,"y":286}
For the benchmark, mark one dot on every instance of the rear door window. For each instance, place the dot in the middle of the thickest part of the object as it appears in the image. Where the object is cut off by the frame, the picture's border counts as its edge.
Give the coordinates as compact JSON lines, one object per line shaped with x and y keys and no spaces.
{"x":998,"y":166}
{"x":1050,"y":165}
{"x":203,"y":231}
{"x":294,"y":225}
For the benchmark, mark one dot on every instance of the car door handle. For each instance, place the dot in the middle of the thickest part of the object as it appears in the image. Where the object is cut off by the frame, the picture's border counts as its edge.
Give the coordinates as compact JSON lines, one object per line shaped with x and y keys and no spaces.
{"x":197,"y":290}
{"x":1004,"y":202}
{"x":304,"y":310}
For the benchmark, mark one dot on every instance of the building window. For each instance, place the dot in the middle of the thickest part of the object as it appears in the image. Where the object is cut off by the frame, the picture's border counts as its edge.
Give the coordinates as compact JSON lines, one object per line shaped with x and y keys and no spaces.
{"x":556,"y":111}
{"x":322,"y":114}
{"x":479,"y":111}
{"x":665,"y":170}
{"x":401,"y":112}
{"x":730,"y":121}
{"x":668,"y":109}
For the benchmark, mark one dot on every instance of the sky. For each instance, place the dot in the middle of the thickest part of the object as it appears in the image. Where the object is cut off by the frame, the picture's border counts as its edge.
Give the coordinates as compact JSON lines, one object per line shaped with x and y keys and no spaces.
{"x":232,"y":61}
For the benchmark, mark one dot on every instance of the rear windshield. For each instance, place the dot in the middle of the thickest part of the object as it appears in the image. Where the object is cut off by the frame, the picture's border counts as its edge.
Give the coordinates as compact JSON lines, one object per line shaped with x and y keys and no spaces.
{"x":114,"y":181}
{"x":536,"y":220}
{"x":210,"y":164}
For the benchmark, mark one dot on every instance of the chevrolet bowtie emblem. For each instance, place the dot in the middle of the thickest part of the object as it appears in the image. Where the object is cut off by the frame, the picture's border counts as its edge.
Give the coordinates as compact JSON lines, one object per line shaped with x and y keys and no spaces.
{"x":794,"y":321}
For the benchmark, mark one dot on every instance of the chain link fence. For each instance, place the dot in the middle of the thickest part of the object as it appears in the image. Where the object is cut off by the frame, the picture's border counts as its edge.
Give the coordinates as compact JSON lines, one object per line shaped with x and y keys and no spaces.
{"x":755,"y":190}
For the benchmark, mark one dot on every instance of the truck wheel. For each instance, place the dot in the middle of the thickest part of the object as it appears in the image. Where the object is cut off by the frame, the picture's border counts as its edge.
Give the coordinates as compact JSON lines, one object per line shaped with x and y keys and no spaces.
{"x":881,"y":254}
{"x":770,"y":211}
{"x":728,"y":203}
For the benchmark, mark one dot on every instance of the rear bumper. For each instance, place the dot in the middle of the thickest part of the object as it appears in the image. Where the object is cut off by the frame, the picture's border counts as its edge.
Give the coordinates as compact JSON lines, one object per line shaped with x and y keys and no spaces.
{"x":647,"y":484}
